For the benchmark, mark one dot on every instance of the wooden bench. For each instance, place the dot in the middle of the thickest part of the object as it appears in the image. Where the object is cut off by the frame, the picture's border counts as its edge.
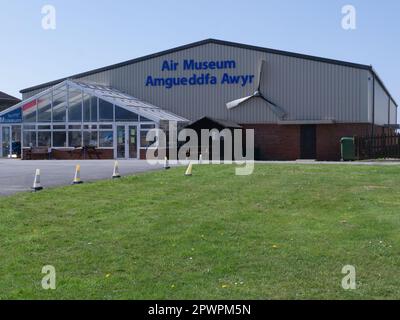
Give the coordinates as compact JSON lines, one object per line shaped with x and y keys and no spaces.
{"x":38,"y":151}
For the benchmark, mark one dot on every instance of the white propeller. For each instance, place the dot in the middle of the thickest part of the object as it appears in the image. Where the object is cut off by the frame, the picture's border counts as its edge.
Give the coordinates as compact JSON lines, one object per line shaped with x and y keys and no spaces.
{"x":277,"y":110}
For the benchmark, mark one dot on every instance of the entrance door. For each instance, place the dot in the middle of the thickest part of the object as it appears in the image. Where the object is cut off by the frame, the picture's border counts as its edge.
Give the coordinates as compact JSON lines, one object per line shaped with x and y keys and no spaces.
{"x":127,"y":141}
{"x":308,"y":142}
{"x":11,"y":141}
{"x":6,"y":142}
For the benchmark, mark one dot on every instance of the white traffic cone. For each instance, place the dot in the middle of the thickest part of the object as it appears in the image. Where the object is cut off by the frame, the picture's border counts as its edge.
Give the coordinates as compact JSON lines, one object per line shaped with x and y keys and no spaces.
{"x":189,"y":170}
{"x":77,"y":178}
{"x":166,"y":164}
{"x":116,"y":174}
{"x":36,"y":183}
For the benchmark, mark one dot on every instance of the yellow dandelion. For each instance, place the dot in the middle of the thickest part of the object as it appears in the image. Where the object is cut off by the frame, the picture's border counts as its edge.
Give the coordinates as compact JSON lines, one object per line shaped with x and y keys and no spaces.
{"x":275,"y":246}
{"x":108,"y":275}
{"x":224,"y":286}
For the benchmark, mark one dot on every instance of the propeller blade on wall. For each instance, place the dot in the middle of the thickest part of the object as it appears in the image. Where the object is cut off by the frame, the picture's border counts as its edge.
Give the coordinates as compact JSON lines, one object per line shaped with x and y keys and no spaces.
{"x":235,"y":103}
{"x":258,"y":94}
{"x":276,"y":109}
{"x":261,"y":75}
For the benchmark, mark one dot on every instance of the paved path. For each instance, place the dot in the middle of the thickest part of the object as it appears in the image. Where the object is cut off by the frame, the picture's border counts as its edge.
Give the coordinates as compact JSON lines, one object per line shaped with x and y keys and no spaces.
{"x":17,"y":176}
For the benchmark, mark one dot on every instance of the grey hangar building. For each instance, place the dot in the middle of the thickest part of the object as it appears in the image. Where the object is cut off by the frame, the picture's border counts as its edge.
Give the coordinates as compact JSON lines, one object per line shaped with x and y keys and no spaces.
{"x":299,"y":106}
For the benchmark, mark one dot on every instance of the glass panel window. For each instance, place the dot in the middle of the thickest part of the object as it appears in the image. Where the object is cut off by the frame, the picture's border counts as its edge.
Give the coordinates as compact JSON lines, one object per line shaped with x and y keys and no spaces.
{"x":75,"y":105}
{"x":60,"y":104}
{"x":75,"y":127}
{"x":90,"y":138}
{"x":106,"y":111}
{"x":90,"y":126}
{"x":44,"y":108}
{"x":122,"y":114}
{"x":143,"y":119}
{"x":29,"y":139}
{"x":89,"y":108}
{"x":143,"y":142}
{"x":148,"y":126}
{"x":106,"y":126}
{"x":59,"y":139}
{"x":44,"y":139}
{"x":44,"y":127}
{"x":29,"y":127}
{"x":29,"y":111}
{"x":75,"y":139}
{"x":59,"y":127}
{"x":106,"y":139}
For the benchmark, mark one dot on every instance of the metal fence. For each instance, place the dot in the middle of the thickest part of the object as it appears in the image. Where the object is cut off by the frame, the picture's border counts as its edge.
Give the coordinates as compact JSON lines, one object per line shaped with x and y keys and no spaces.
{"x":378,"y":146}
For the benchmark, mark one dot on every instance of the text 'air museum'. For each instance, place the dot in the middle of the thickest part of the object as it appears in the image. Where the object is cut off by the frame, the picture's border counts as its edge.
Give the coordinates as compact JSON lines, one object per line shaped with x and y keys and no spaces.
{"x":299,"y":106}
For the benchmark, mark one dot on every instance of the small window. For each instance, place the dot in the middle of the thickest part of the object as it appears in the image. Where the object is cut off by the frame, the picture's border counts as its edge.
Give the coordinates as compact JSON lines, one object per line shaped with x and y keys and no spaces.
{"x":89,"y":126}
{"x":59,"y":139}
{"x":106,"y":139}
{"x":90,"y":138}
{"x":143,"y":119}
{"x":44,"y":139}
{"x":47,"y":127}
{"x":75,"y":127}
{"x":148,"y":126}
{"x":106,"y":111}
{"x":29,"y":139}
{"x":75,"y":139}
{"x":122,"y":114}
{"x":106,"y":126}
{"x":59,"y":127}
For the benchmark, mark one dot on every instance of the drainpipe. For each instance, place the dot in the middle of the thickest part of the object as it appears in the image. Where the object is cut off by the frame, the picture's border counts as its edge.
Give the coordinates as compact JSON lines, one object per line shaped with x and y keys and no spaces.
{"x":373,"y":105}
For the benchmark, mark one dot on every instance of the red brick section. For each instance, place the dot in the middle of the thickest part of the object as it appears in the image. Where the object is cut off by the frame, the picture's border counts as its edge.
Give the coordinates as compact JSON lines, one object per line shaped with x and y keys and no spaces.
{"x":329,"y":135}
{"x":275,"y":142}
{"x":73,"y":154}
{"x":282,"y":142}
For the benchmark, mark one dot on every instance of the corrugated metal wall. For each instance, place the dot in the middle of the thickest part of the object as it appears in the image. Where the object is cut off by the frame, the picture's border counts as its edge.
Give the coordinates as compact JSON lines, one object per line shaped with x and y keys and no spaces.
{"x":306,"y":89}
{"x":393,"y":112}
{"x":381,"y":105}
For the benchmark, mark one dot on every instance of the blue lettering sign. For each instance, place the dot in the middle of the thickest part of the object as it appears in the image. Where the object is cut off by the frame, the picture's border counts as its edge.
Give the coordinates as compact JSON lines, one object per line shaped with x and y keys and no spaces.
{"x":198,"y":79}
{"x":14,"y":116}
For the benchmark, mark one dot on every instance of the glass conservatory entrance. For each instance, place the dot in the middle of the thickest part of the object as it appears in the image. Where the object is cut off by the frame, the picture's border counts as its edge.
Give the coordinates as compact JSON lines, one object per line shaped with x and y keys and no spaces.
{"x":10,"y":138}
{"x":127,"y":141}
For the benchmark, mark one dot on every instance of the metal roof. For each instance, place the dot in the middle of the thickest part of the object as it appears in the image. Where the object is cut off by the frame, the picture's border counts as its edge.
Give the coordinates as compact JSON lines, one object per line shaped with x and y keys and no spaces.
{"x":120,"y":99}
{"x":220,"y":42}
{"x":7,"y":97}
{"x":223,"y":123}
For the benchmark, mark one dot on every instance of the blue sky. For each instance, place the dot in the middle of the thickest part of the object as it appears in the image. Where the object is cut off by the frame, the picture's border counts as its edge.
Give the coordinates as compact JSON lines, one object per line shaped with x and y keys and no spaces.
{"x":92,"y":34}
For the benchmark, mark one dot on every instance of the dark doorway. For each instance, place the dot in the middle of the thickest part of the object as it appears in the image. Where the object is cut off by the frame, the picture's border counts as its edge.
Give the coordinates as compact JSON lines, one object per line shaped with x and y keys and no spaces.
{"x":308,"y":142}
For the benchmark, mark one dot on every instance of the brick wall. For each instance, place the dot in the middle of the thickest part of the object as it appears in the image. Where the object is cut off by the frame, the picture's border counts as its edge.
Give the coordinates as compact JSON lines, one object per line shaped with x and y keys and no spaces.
{"x":329,"y":135}
{"x":282,"y":142}
{"x":276,"y":142}
{"x":68,"y":154}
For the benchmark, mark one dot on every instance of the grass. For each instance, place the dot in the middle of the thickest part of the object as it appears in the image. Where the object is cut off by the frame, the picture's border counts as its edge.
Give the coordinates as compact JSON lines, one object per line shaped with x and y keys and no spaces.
{"x":284,"y":232}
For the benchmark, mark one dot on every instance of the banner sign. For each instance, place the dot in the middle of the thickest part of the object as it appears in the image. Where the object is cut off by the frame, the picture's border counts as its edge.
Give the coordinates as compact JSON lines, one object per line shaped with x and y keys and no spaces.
{"x":14,"y":116}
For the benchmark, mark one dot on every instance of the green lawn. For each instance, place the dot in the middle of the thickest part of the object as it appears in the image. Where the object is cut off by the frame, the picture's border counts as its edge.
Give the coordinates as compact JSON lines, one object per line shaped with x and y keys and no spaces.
{"x":284,"y":232}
